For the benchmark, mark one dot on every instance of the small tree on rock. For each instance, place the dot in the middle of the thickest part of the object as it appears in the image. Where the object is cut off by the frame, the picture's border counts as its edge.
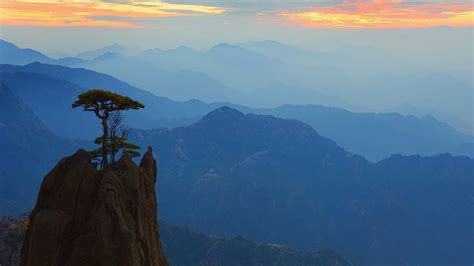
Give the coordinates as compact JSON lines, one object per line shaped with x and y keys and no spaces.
{"x":105,"y":104}
{"x":119,"y":135}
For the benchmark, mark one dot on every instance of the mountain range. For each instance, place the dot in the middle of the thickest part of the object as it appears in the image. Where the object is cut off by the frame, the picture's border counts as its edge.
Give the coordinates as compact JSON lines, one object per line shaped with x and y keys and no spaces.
{"x":237,"y":73}
{"x":228,"y":172}
{"x":379,"y":135}
{"x":50,"y":89}
{"x":113,"y":48}
{"x":288,"y":175}
{"x":41,"y":85}
{"x":12,"y":54}
{"x":279,"y":181}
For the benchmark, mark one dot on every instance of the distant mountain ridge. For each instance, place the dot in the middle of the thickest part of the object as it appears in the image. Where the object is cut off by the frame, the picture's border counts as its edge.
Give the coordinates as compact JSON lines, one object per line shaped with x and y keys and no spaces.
{"x":230,"y":73}
{"x":113,"y":48}
{"x":379,"y":135}
{"x":150,"y":76}
{"x":36,"y":80}
{"x":373,"y":135}
{"x":14,"y":55}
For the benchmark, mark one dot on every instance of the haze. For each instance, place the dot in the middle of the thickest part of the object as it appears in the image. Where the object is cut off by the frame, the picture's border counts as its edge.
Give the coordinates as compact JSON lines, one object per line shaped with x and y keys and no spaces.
{"x":402,"y":56}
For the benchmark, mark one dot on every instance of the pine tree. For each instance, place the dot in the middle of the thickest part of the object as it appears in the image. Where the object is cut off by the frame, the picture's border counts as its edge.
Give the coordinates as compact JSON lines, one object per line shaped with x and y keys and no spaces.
{"x":107,"y":105}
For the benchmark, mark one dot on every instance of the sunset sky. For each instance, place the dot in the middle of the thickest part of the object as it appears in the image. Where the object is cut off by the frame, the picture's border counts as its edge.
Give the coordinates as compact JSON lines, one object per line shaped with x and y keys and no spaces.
{"x":72,"y":25}
{"x":318,"y":14}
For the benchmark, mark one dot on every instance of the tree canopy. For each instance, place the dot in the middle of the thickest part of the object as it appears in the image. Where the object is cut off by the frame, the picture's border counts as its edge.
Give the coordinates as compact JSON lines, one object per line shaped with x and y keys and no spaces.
{"x":97,"y":99}
{"x":107,"y":106}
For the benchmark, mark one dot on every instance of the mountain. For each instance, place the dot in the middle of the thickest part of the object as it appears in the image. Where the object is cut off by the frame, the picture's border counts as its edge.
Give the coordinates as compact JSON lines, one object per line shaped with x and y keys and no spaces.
{"x":185,"y":85}
{"x":184,"y":246}
{"x":284,"y":53}
{"x":221,"y":73}
{"x":177,"y":84}
{"x":12,"y":54}
{"x":50,"y":91}
{"x":50,"y":99}
{"x":273,"y":94}
{"x":173,"y":59}
{"x":278,"y":181}
{"x":439,"y":92}
{"x":371,"y":80}
{"x":26,"y":152}
{"x":239,"y":67}
{"x":219,"y":168}
{"x":113,"y":48}
{"x":96,"y":215}
{"x":228,"y":64}
{"x":462,"y":125}
{"x":378,"y":135}
{"x":41,"y":85}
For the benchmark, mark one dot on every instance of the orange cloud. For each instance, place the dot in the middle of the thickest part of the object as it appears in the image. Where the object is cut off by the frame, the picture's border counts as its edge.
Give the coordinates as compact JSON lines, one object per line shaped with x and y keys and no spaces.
{"x":381,"y":14}
{"x":92,"y":14}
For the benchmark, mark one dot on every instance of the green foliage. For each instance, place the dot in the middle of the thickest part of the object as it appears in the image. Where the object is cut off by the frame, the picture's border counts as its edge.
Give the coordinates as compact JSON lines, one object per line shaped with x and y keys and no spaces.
{"x":108,"y":107}
{"x":97,"y":99}
{"x":15,"y":239}
{"x":131,"y":152}
{"x":16,"y":235}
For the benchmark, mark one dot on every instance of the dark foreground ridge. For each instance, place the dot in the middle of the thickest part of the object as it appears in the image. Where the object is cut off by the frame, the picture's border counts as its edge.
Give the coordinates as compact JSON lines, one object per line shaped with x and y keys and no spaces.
{"x":185,"y":247}
{"x":86,"y":217}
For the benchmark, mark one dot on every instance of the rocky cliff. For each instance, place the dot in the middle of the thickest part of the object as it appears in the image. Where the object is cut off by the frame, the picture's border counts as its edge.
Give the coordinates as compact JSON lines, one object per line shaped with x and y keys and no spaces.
{"x":89,"y":217}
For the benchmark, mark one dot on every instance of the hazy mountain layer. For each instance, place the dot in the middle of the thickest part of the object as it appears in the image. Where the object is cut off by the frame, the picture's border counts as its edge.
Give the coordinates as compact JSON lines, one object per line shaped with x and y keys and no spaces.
{"x":358,"y":78}
{"x":29,"y":149}
{"x":378,"y":135}
{"x":49,"y":90}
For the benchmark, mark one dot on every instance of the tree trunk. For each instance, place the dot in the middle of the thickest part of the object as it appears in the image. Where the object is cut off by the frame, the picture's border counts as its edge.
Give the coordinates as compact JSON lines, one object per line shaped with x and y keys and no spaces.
{"x":112,"y":146}
{"x":105,"y":139}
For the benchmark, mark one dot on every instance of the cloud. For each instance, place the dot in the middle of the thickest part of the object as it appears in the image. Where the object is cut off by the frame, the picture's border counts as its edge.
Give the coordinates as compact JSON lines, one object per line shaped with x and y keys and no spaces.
{"x":302,"y":13}
{"x":93,"y":13}
{"x":257,"y":6}
{"x":384,"y":14}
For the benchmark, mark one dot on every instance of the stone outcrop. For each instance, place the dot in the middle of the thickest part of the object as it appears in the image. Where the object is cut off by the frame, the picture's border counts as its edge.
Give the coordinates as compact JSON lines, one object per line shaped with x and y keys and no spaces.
{"x":89,"y":217}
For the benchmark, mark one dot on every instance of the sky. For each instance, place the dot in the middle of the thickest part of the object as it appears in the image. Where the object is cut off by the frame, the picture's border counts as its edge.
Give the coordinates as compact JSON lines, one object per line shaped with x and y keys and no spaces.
{"x":436,"y":35}
{"x":311,"y":14}
{"x":412,"y":28}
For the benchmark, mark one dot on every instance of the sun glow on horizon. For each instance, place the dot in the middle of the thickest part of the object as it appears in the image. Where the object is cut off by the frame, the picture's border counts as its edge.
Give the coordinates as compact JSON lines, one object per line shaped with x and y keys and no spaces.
{"x":375,"y":14}
{"x":383,"y":14}
{"x":93,"y":14}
